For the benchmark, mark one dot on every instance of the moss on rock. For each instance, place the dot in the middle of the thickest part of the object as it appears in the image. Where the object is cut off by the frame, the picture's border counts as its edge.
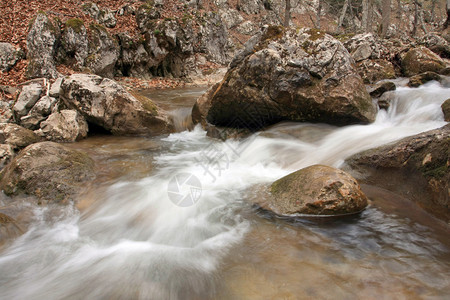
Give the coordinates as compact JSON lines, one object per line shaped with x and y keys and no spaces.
{"x":75,"y":24}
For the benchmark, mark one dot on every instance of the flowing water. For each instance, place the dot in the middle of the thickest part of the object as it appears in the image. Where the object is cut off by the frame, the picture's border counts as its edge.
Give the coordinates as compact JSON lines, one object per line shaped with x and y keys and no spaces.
{"x":126,"y":239}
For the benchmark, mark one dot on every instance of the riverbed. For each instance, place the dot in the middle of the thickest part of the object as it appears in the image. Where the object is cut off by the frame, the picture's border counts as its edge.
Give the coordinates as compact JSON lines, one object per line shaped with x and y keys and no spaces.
{"x":131,"y":236}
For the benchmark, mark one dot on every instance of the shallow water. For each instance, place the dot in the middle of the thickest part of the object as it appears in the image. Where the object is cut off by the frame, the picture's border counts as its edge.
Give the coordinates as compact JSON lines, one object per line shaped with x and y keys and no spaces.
{"x":127,"y":239}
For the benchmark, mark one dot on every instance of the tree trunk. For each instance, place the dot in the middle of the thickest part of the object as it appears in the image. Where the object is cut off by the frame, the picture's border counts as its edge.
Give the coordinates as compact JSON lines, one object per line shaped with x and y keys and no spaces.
{"x":422,"y":23}
{"x":344,"y":11}
{"x":416,"y":17}
{"x":365,"y":15}
{"x":447,"y":22}
{"x":287,"y":13}
{"x":433,"y":8}
{"x":371,"y":13}
{"x":386,"y":17}
{"x":319,"y":11}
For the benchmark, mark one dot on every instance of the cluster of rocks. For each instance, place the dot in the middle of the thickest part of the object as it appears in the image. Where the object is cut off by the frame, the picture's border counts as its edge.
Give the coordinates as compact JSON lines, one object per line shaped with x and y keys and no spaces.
{"x":62,"y":111}
{"x":307,"y":75}
{"x":163,"y":47}
{"x":65,"y":111}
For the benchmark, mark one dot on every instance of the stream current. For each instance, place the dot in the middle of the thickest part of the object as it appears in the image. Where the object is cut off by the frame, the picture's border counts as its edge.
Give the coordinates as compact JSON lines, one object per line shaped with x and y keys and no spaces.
{"x":127,"y":238}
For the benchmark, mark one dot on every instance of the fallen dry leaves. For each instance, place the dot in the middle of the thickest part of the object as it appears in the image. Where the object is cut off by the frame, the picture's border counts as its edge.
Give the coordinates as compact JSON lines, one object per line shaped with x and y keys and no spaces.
{"x":17,"y":15}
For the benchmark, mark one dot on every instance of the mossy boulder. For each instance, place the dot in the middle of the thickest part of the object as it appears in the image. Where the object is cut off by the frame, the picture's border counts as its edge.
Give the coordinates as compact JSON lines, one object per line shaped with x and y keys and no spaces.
{"x":315,"y":190}
{"x":417,"y":167}
{"x":103,"y":102}
{"x":49,"y":171}
{"x":287,"y":74}
{"x":420,"y":60}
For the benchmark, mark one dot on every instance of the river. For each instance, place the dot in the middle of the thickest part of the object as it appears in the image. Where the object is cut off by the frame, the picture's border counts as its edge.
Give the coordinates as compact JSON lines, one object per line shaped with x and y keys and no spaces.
{"x":136,"y":234}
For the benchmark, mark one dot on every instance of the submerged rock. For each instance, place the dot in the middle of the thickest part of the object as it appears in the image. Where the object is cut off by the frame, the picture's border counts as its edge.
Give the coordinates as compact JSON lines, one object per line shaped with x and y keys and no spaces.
{"x":417,"y":167}
{"x":107,"y":104}
{"x":315,"y":190}
{"x":287,"y":74}
{"x":49,"y":171}
{"x":9,"y":228}
{"x":384,"y":102}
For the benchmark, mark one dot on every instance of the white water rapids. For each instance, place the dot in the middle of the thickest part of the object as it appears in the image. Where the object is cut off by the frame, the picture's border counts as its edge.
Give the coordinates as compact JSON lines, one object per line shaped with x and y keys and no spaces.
{"x":132,"y":242}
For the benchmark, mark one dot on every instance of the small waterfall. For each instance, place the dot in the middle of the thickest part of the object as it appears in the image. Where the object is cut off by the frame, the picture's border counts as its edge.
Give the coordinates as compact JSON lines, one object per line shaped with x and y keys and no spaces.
{"x":182,"y":119}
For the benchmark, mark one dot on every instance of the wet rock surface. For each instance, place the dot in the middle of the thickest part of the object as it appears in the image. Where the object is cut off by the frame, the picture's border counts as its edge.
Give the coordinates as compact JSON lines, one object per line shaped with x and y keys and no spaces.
{"x":417,"y":167}
{"x":381,"y":88}
{"x":315,"y":190}
{"x":446,"y":110}
{"x":423,"y":78}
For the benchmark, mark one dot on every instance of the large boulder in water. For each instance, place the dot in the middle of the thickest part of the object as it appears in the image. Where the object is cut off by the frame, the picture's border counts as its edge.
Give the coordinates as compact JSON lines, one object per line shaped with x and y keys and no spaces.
{"x":288,"y":74}
{"x":49,"y":171}
{"x":416,"y":167}
{"x":316,"y":190}
{"x":107,"y":104}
